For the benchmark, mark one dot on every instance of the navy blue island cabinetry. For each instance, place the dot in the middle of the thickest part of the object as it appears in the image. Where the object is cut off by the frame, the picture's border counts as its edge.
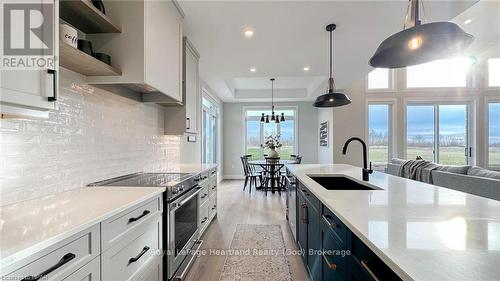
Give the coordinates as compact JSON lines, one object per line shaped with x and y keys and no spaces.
{"x":331,"y":252}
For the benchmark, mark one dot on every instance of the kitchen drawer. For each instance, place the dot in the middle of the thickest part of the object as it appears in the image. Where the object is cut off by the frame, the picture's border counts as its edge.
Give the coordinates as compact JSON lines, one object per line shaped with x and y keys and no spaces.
{"x":313,"y":200}
{"x":89,"y":272}
{"x":334,"y":224}
{"x":212,"y":206}
{"x":127,"y":257}
{"x":212,"y":187}
{"x":72,"y":254}
{"x":203,"y":195}
{"x":203,"y":215}
{"x":365,"y":265}
{"x":334,"y":257}
{"x":151,"y":271}
{"x":116,"y":227}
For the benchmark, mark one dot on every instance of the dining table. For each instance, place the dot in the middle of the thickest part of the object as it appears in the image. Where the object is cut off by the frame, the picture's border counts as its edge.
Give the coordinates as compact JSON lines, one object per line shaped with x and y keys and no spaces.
{"x":272,"y":168}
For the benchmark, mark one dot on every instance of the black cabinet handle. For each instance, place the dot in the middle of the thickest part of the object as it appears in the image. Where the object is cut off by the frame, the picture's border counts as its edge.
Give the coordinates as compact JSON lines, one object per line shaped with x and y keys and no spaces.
{"x":65,"y":259}
{"x":203,"y":196}
{"x":136,"y":258}
{"x":204,"y":220}
{"x":54,"y":84}
{"x":145,"y":213}
{"x":188,"y":126}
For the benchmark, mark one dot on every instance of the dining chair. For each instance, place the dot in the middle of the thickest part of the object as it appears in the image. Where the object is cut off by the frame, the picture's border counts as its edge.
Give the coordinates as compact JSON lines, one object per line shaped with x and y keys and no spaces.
{"x":250,"y":173}
{"x":271,"y":171}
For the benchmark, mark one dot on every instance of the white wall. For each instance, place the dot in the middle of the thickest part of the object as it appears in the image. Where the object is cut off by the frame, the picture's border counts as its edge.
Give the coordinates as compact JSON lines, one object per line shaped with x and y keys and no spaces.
{"x":93,"y":136}
{"x":234,"y":134}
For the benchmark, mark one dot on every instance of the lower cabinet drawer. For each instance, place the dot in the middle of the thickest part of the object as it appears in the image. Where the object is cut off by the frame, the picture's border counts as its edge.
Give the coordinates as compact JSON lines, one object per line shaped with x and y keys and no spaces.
{"x":116,"y":227}
{"x":365,"y":265}
{"x":203,"y":195}
{"x":89,"y":272}
{"x":212,"y":186}
{"x":59,"y":263}
{"x":334,"y":256}
{"x":203,"y":214}
{"x":212,"y":205}
{"x":334,"y":224}
{"x":126,"y":258}
{"x":152,"y":271}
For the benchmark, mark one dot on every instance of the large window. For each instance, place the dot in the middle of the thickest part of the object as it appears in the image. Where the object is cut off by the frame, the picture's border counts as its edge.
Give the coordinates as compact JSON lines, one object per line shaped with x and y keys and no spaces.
{"x":379,"y":79}
{"x":209,"y":122}
{"x":256,"y":132}
{"x":494,"y":135}
{"x":379,"y":133}
{"x":494,"y":72}
{"x":440,"y":73}
{"x":438,"y":132}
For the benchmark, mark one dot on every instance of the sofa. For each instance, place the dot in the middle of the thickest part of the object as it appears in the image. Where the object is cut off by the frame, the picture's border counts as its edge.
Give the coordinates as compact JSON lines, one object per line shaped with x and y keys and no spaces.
{"x":469,"y":179}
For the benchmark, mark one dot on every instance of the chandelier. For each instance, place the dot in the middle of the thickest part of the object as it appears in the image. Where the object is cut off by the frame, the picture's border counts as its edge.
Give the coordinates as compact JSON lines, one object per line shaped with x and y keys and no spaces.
{"x":274,"y":117}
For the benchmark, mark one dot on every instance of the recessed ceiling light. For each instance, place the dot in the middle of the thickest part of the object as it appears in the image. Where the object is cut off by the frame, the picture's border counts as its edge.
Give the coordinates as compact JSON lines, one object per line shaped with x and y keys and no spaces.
{"x":253,"y":69}
{"x":307,"y":68}
{"x":248,"y":32}
{"x":467,"y":21}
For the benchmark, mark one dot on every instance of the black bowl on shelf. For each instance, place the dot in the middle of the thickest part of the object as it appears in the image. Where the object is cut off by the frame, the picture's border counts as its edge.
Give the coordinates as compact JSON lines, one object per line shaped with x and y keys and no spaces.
{"x":85,"y":46}
{"x":105,"y":58}
{"x":99,"y":5}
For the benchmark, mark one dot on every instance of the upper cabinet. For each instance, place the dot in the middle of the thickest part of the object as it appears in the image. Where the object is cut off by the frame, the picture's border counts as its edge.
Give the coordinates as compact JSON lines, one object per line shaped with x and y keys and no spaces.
{"x":26,"y":90}
{"x":184,"y":119}
{"x":148,"y":51}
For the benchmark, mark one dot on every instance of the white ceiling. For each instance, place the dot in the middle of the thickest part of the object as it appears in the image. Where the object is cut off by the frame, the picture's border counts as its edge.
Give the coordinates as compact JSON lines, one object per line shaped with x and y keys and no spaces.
{"x":290,"y":35}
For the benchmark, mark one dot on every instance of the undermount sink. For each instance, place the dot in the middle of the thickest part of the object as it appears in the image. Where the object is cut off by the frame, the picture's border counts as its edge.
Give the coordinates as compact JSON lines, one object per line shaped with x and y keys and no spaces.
{"x":340,"y":183}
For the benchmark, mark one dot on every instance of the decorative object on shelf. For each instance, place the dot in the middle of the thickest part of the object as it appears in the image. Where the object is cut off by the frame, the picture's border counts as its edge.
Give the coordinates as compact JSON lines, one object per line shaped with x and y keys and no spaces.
{"x":85,"y":46}
{"x":99,"y":5}
{"x":276,"y":118}
{"x":420,"y":43}
{"x":68,"y":35}
{"x":105,"y":58}
{"x":331,"y":98}
{"x":272,"y":142}
{"x":323,"y":134}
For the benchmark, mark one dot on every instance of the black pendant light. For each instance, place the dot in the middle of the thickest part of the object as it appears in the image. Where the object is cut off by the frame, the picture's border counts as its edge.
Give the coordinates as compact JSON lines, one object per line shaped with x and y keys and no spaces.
{"x":331,"y":98}
{"x":274,"y":117}
{"x":420,"y":43}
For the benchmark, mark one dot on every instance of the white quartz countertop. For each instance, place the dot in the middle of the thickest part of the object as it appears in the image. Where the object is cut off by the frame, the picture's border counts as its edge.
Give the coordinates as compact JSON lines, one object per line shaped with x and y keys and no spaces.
{"x":29,"y":226}
{"x":421,"y":231}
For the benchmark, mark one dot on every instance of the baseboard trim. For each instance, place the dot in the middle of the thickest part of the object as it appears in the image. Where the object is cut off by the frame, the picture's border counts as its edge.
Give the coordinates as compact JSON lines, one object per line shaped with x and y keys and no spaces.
{"x":233,"y":177}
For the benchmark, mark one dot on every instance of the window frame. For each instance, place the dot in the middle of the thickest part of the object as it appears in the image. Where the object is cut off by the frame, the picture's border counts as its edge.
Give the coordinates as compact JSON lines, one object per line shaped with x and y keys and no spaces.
{"x":276,"y":109}
{"x":213,"y":111}
{"x":392,"y":146}
{"x":487,"y":101}
{"x":487,"y":78}
{"x":470,"y":84}
{"x":470,"y":102}
{"x":392,"y":83}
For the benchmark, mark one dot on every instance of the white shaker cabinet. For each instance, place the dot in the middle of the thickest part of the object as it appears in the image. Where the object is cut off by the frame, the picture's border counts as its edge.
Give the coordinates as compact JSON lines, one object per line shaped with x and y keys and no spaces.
{"x":31,"y":92}
{"x":185,"y":119}
{"x":148,"y":51}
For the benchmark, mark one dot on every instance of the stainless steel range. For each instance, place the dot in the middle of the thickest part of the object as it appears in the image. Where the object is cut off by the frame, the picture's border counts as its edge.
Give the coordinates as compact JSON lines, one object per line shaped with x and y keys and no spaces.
{"x":180,"y":218}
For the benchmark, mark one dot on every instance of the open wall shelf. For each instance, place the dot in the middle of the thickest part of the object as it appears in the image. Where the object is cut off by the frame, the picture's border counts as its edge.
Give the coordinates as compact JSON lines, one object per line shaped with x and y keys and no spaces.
{"x":87,"y":18}
{"x":78,"y":61}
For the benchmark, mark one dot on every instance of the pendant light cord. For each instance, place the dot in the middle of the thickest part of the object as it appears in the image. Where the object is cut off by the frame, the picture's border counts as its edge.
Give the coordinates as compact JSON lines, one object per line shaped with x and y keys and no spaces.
{"x":331,"y":64}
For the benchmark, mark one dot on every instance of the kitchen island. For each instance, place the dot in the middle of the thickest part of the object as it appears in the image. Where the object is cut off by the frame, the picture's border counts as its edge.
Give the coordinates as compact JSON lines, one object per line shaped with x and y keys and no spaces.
{"x":418,"y":231}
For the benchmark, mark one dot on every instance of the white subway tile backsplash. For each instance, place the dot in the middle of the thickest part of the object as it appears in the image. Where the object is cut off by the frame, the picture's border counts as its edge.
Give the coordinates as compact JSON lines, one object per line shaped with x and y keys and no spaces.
{"x":94,"y":135}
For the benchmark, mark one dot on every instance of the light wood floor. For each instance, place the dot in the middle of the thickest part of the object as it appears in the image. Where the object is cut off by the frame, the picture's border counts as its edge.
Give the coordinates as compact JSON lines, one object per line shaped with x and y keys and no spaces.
{"x":236,"y":206}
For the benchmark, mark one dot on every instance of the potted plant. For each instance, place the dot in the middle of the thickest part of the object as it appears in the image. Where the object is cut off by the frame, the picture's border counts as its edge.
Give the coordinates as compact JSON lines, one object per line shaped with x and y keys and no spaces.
{"x":272,"y":142}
